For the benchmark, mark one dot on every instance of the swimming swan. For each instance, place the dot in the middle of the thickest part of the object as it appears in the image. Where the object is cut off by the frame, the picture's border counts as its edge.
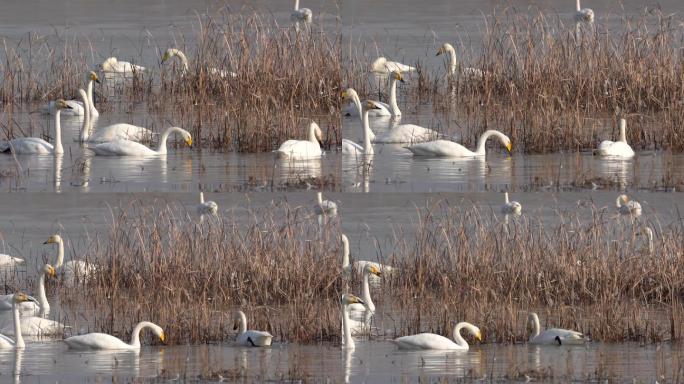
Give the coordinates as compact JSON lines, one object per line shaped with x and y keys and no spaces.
{"x":628,"y":207}
{"x":433,"y":341}
{"x":103,"y":341}
{"x":365,"y":293}
{"x":5,"y":342}
{"x":360,"y":265}
{"x":511,"y":207}
{"x":381,"y":65}
{"x":583,"y":14}
{"x":553,"y":335}
{"x":36,"y":146}
{"x":445,"y":148}
{"x":301,"y":14}
{"x":112,"y":65}
{"x":32,"y":306}
{"x":324,"y":207}
{"x":77,"y":107}
{"x":206,"y":207}
{"x":249,"y":338}
{"x":618,"y":148}
{"x":174,"y":52}
{"x":122,"y":147}
{"x":469,"y":72}
{"x":351,"y":148}
{"x":7,"y":261}
{"x":347,"y":341}
{"x":119,"y":131}
{"x":71,"y":269}
{"x":302,"y":149}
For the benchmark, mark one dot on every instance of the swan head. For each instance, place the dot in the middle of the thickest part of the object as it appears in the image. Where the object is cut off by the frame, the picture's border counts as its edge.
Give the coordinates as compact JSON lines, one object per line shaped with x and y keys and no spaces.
{"x":21,"y":297}
{"x":186,"y":136}
{"x":348,"y":298}
{"x":93,"y":76}
{"x":622,"y":199}
{"x":368,"y":105}
{"x":62,"y":104}
{"x":348,"y":93}
{"x":158,"y":331}
{"x":474,"y":330}
{"x":169,"y":53}
{"x":396,"y":75}
{"x":49,"y":270}
{"x":372,"y":270}
{"x":54,"y":239}
{"x":446,"y":47}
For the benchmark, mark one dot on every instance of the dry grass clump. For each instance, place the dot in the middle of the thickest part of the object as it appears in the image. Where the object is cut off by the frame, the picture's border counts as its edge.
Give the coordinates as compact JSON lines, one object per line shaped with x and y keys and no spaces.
{"x":462,"y":264}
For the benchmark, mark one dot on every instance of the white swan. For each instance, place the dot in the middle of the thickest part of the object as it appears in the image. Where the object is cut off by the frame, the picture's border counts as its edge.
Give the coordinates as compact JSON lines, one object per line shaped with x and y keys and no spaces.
{"x":324,"y":207}
{"x":302,"y":149}
{"x":34,"y":326}
{"x":618,"y":148}
{"x":120,"y":131}
{"x":628,"y":207}
{"x":360,"y":265}
{"x":381,"y":65}
{"x":36,"y":146}
{"x":553,"y":335}
{"x":249,"y":338}
{"x":354,"y":107}
{"x":648,"y":232}
{"x":511,"y":207}
{"x":103,"y":341}
{"x":112,"y":65}
{"x":351,"y":148}
{"x":122,"y":147}
{"x":6,"y":342}
{"x":78,"y":107}
{"x":583,"y":14}
{"x":347,"y":341}
{"x":433,"y":341}
{"x":206,"y":207}
{"x":71,"y":270}
{"x":445,"y":148}
{"x":174,"y":52}
{"x":469,"y":72}
{"x":7,"y":261}
{"x":301,"y":14}
{"x":33,"y":306}
{"x":365,"y":293}
{"x":405,"y":133}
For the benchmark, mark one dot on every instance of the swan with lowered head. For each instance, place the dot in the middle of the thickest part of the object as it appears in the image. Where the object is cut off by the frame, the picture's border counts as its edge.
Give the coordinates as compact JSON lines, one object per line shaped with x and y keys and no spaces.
{"x":618,"y":148}
{"x":347,"y":299}
{"x":302,"y":149}
{"x":5,"y":342}
{"x":7,"y":261}
{"x":73,"y":269}
{"x":383,"y":66}
{"x":32,"y":306}
{"x":112,"y":65}
{"x":122,"y":147}
{"x":553,"y":335}
{"x":360,"y":265}
{"x":174,"y":52}
{"x":249,"y":338}
{"x":103,"y":341}
{"x":433,"y":341}
{"x":511,"y":207}
{"x":469,"y":72}
{"x":206,"y":207}
{"x":628,"y":207}
{"x":36,"y":146}
{"x":365,"y":293}
{"x":301,"y":14}
{"x":445,"y":148}
{"x":351,"y":148}
{"x":583,"y":15}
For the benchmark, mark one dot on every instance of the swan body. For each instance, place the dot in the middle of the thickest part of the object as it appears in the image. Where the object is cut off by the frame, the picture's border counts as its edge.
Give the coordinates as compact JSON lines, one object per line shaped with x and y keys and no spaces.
{"x":122,"y":147}
{"x":382,"y":65}
{"x":7,"y":261}
{"x":301,"y":14}
{"x":469,"y":72}
{"x":351,"y":148}
{"x":511,"y":207}
{"x":365,"y":294}
{"x":618,"y":148}
{"x":112,"y":65}
{"x":34,"y":326}
{"x":77,"y":108}
{"x":103,"y":341}
{"x":302,"y":149}
{"x":433,"y":341}
{"x":72,"y":270}
{"x":249,"y":338}
{"x":120,"y":131}
{"x":628,"y":207}
{"x":347,"y":299}
{"x":36,"y":146}
{"x":324,"y":207}
{"x":444,"y":148}
{"x":206,"y":207}
{"x":583,"y":15}
{"x":361,"y":265}
{"x":6,"y":342}
{"x":405,"y":133}
{"x":32,"y":306}
{"x":553,"y":336}
{"x":174,"y":52}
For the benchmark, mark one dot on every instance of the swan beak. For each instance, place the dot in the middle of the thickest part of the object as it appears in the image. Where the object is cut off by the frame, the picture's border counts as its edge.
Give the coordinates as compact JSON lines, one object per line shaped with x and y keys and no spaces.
{"x":189,"y":141}
{"x":343,"y":94}
{"x":439,"y":52}
{"x":478,"y":336}
{"x":51,"y":272}
{"x":376,"y":271}
{"x":509,"y":146}
{"x":165,"y":57}
{"x":162,"y":337}
{"x":48,"y":241}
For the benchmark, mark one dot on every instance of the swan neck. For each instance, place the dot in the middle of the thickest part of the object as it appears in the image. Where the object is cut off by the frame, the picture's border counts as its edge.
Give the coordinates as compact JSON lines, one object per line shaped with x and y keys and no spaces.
{"x":452,"y":59}
{"x":506,"y":197}
{"x":618,"y":201}
{"x":135,"y":335}
{"x":345,"y":253}
{"x":60,"y":253}
{"x":535,"y":326}
{"x":201,"y":197}
{"x":162,"y":143}
{"x":348,"y":341}
{"x":42,"y":297}
{"x":86,"y":119}
{"x":58,"y":134}
{"x":367,"y":146}
{"x":243,"y":323}
{"x":91,"y":102}
{"x":357,"y":102}
{"x":623,"y":133}
{"x":319,"y":198}
{"x":393,"y":98}
{"x":481,"y":144}
{"x":312,"y":134}
{"x":366,"y":292}
{"x":457,"y":335}
{"x":297,"y":5}
{"x":578,"y":5}
{"x":184,"y":60}
{"x":17,"y":326}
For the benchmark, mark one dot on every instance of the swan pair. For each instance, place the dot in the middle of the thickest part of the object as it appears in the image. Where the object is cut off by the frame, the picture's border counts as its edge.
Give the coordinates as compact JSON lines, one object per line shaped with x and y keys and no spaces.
{"x":628,"y":207}
{"x":302,"y":149}
{"x":103,"y":341}
{"x":174,"y":52}
{"x":113,"y":65}
{"x":301,"y":14}
{"x":445,"y":148}
{"x":383,"y":66}
{"x":351,"y":148}
{"x":617,"y":149}
{"x":553,"y":336}
{"x":79,"y":108}
{"x":249,"y":338}
{"x":380,"y":109}
{"x":469,"y":72}
{"x":37,"y":146}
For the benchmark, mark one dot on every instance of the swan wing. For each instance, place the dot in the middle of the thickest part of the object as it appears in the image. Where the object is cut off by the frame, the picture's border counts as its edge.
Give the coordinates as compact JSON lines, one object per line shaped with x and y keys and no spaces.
{"x":351,"y":148}
{"x":6,"y":342}
{"x":426,"y":341}
{"x":28,"y":146}
{"x":440,"y":148}
{"x":254,"y":339}
{"x":33,"y":326}
{"x":122,"y":148}
{"x":615,"y":149}
{"x":557,"y":336}
{"x":406,"y":133}
{"x":121,"y":131}
{"x":396,"y":66}
{"x":96,"y":341}
{"x":299,"y":150}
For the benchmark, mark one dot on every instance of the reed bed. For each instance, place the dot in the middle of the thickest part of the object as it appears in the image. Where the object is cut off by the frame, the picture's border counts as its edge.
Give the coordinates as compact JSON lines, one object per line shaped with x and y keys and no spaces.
{"x":460,"y":264}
